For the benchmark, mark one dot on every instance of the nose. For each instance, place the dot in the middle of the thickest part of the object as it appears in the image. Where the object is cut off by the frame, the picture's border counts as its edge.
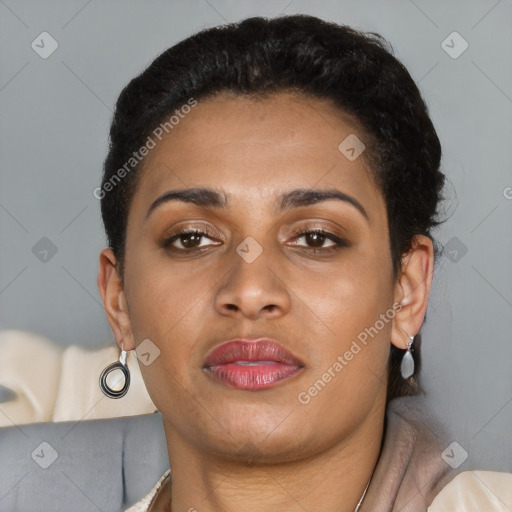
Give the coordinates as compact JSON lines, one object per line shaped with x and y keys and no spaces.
{"x":253,"y":289}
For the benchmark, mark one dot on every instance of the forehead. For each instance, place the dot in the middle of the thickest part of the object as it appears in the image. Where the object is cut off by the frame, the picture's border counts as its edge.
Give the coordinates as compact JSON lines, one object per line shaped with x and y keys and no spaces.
{"x":257,"y":149}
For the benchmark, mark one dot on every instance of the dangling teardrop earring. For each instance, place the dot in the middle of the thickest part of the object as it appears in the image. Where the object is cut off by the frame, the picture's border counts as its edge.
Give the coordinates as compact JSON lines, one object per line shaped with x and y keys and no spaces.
{"x":407,"y":365}
{"x":110,"y":378}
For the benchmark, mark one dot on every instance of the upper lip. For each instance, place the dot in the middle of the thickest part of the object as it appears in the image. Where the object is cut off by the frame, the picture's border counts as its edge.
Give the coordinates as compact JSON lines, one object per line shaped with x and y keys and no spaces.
{"x":262,"y":349}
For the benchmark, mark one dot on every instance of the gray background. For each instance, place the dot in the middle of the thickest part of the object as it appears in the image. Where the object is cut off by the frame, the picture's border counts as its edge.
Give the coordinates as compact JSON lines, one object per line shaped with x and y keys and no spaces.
{"x":55,"y":116}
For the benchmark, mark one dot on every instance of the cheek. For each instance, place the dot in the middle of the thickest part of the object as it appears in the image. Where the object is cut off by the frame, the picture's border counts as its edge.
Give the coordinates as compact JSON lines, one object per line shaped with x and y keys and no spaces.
{"x":165,"y":297}
{"x":167,"y":308}
{"x":352,"y":312}
{"x":347,"y":296}
{"x":351,"y":367}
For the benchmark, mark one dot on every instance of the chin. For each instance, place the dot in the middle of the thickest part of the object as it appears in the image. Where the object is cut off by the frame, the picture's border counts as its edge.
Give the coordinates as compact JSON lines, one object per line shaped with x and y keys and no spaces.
{"x":267,"y":439}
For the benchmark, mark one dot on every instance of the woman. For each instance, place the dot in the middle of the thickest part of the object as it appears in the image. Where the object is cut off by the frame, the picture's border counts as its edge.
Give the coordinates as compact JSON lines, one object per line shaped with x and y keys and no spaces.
{"x":268,"y":197}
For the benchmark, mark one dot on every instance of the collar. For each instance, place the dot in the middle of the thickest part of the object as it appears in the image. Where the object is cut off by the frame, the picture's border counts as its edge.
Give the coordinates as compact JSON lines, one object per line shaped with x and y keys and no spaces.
{"x":410,"y":471}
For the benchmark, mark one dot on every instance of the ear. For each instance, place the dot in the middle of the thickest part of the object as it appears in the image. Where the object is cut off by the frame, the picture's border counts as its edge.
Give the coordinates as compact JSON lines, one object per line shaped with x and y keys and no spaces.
{"x":114,"y":300}
{"x":412,"y":290}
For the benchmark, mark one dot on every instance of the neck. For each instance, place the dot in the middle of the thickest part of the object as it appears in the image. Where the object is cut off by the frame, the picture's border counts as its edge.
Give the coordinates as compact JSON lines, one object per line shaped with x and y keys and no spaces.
{"x":331,"y":481}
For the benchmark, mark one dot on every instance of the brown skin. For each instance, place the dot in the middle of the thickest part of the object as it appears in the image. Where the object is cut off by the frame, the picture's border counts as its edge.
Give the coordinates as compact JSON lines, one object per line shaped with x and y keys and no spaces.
{"x":233,"y":449}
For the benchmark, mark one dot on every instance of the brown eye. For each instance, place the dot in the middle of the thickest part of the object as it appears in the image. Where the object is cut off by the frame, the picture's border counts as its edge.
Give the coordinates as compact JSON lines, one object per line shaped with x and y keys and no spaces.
{"x":316,"y":238}
{"x":188,"y":238}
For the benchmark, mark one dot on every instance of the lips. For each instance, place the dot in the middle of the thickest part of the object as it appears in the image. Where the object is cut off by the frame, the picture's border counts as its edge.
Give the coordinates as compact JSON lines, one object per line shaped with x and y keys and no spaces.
{"x":251,"y":350}
{"x":251,"y":364}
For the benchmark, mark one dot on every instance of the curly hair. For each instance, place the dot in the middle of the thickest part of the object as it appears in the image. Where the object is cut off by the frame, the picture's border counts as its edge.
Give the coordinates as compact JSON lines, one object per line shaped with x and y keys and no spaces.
{"x":309,"y":56}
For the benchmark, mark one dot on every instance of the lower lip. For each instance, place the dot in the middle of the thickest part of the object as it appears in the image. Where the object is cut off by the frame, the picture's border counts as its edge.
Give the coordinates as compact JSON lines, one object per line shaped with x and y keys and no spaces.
{"x":261,"y":376}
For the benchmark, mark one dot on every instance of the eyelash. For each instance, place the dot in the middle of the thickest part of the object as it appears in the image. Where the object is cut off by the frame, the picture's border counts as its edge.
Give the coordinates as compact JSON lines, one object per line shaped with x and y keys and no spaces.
{"x":340,"y":243}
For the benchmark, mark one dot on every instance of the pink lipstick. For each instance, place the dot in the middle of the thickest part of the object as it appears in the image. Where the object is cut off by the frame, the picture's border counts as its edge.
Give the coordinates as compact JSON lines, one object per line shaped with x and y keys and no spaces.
{"x":251,"y":364}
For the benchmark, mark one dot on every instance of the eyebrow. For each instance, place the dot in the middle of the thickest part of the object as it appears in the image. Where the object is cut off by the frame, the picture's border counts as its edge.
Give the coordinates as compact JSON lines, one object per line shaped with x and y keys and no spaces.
{"x":209,"y":198}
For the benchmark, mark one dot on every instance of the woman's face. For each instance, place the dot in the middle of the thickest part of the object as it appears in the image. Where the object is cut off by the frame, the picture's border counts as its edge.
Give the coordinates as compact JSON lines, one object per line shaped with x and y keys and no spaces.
{"x":252,"y":276}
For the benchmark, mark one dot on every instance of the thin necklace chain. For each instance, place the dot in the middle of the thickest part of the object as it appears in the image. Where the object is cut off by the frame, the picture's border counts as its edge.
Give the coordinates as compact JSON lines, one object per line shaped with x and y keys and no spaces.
{"x":362,"y":497}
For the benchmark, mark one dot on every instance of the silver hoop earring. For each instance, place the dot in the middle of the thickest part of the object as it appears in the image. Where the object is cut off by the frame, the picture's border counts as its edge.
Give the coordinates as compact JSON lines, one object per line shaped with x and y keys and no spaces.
{"x":407,"y":365}
{"x":111,"y":380}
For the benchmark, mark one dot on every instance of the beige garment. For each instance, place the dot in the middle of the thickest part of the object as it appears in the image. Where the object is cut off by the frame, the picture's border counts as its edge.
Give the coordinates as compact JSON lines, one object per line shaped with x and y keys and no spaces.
{"x":470,"y":491}
{"x":53,"y":383}
{"x":30,"y":366}
{"x":143,"y":504}
{"x":476,"y":491}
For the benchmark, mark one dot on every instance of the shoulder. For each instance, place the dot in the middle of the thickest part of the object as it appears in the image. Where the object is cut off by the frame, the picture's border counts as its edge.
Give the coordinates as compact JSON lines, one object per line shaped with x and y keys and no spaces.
{"x":472,"y":491}
{"x":145,"y":502}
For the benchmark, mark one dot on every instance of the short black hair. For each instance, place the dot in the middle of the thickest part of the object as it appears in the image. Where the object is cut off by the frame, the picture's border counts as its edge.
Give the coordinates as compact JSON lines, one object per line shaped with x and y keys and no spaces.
{"x":259,"y":56}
